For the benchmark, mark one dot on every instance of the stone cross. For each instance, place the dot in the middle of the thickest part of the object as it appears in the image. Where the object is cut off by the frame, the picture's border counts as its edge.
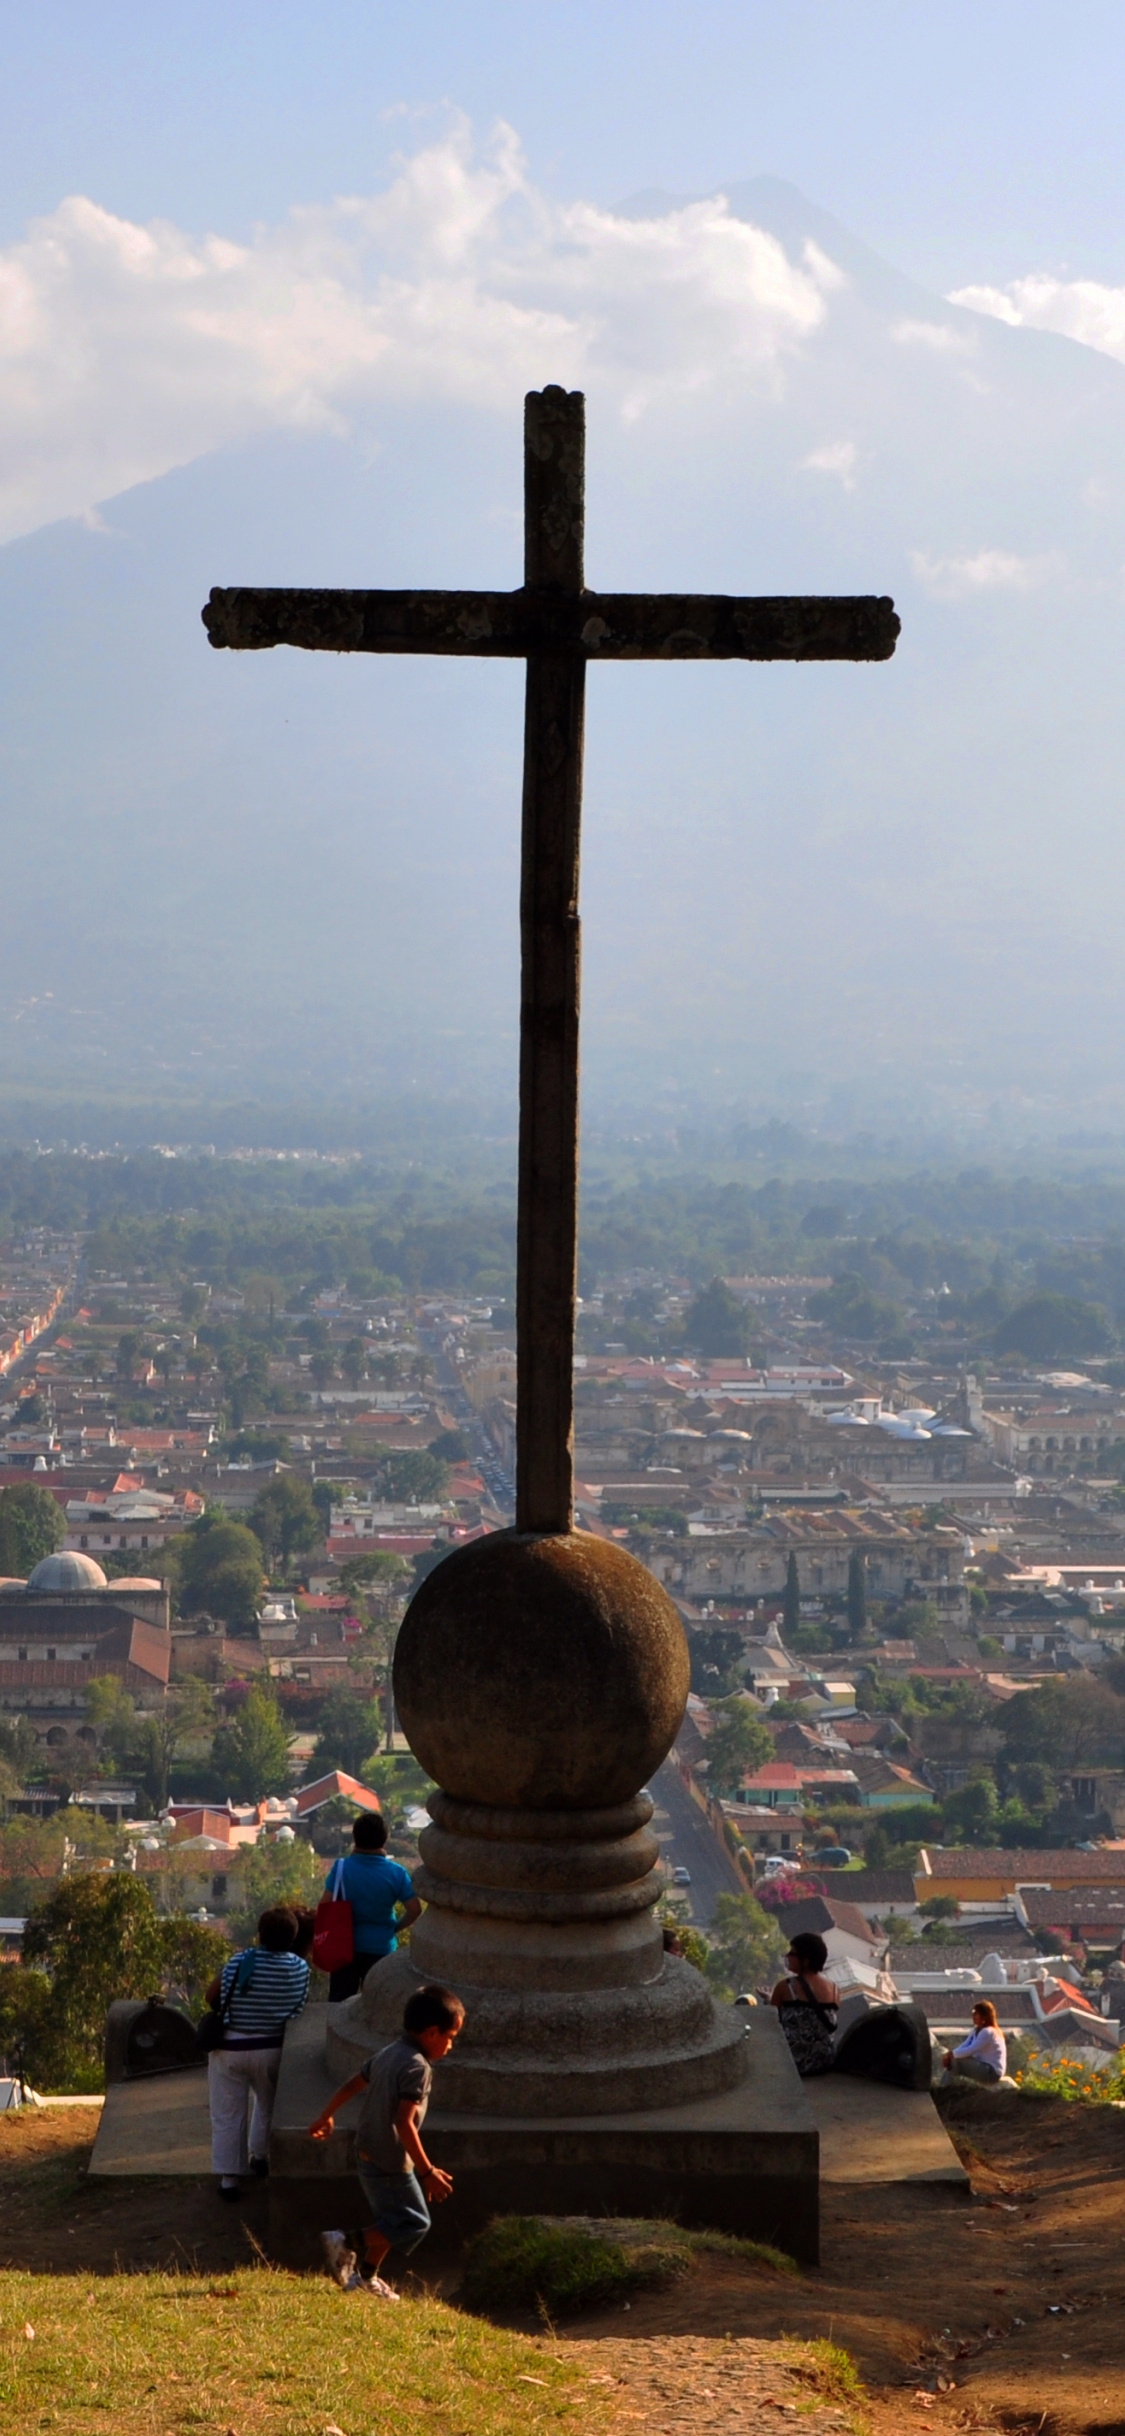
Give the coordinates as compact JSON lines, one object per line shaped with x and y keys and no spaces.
{"x":556,"y":626}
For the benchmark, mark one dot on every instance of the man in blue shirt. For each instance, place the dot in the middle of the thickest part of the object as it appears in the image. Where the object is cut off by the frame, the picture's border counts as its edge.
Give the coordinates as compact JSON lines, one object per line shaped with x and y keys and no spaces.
{"x":374,"y":1886}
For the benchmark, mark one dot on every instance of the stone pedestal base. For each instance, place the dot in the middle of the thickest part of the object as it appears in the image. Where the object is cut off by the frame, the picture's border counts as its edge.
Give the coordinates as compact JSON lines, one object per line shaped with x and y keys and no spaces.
{"x":534,"y":2051}
{"x":744,"y":2159}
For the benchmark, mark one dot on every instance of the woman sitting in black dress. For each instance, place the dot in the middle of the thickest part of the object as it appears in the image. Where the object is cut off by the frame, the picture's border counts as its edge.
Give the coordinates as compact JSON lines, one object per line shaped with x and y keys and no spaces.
{"x":807,"y":2004}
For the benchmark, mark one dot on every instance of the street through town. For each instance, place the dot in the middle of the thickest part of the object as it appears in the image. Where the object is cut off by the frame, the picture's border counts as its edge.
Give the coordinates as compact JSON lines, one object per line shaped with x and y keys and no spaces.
{"x":687,"y":1840}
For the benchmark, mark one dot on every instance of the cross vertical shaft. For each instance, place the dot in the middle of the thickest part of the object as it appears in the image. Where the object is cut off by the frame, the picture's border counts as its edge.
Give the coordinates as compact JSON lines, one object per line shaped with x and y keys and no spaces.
{"x":556,"y":626}
{"x":547,"y":1229}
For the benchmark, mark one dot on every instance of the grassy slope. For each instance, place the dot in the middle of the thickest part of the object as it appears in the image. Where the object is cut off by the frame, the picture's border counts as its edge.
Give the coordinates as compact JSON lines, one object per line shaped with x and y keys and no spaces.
{"x":264,"y":2353}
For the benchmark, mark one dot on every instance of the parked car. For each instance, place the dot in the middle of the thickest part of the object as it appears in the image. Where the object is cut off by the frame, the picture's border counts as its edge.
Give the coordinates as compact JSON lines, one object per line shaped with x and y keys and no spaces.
{"x":834,"y":1856}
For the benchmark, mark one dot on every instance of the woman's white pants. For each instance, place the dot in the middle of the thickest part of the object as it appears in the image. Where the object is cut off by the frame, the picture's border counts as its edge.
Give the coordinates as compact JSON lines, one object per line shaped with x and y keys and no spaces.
{"x":235,"y":2076}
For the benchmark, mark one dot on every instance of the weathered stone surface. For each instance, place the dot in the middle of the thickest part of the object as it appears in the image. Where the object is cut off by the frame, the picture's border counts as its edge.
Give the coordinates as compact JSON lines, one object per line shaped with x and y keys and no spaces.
{"x":588,"y":625}
{"x":527,"y":2052}
{"x":541,"y":1672}
{"x":743,"y":2158}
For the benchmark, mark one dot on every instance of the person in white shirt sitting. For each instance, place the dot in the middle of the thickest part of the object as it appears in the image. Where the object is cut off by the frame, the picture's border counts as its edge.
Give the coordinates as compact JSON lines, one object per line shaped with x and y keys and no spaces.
{"x":983,"y":2056}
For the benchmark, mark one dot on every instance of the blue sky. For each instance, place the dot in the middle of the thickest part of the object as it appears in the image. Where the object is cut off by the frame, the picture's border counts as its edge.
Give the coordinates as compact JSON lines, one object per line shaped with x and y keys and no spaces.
{"x":968,"y":139}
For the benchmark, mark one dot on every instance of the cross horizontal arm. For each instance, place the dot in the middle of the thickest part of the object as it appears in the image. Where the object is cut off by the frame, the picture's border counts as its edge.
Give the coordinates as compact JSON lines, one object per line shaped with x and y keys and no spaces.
{"x":593,"y":625}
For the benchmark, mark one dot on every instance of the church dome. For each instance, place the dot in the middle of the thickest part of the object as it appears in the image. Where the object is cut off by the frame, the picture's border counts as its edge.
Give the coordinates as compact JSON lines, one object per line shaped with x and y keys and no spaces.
{"x":68,"y":1570}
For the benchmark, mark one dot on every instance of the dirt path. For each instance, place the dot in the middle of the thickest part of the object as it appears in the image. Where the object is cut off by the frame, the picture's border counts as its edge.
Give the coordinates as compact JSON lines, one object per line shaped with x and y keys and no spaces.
{"x":1003,"y":2311}
{"x":1006,"y":2310}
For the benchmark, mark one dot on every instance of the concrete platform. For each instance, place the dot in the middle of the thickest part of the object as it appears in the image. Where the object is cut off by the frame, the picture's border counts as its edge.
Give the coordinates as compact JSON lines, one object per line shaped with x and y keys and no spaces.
{"x":744,"y":2160}
{"x":870,"y":2133}
{"x":156,"y":2126}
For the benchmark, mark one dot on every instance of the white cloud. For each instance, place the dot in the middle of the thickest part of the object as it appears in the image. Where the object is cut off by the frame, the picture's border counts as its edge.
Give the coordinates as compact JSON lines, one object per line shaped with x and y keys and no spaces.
{"x":1076,"y":308}
{"x":983,"y":571}
{"x":126,"y":350}
{"x":836,"y":457}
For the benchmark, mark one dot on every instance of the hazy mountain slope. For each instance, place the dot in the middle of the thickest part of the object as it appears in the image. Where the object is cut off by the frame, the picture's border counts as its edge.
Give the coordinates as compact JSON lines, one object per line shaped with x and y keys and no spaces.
{"x":843,"y":887}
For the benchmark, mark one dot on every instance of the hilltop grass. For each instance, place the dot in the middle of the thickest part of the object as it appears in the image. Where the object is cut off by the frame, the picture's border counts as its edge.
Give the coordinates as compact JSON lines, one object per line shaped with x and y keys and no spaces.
{"x":561,"y":2267}
{"x":267,"y":2353}
{"x":523,"y":2263}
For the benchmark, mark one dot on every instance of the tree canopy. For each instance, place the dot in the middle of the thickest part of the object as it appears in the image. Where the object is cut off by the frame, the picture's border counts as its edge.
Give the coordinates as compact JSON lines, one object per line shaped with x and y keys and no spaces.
{"x":1051,"y":1327}
{"x":95,"y":1938}
{"x":745,"y":1945}
{"x":251,"y":1753}
{"x":217,"y":1570}
{"x":412,"y":1476}
{"x":285,"y":1519}
{"x":737,"y":1744}
{"x":716,"y":1322}
{"x":32,"y":1526}
{"x":350,"y":1730}
{"x":1073,"y":1722}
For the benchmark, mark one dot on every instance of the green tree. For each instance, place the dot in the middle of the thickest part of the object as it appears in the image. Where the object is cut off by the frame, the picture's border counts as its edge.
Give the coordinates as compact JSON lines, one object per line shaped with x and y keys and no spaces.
{"x":716,"y":1322}
{"x":285,"y":1518}
{"x":857,"y":1594}
{"x":970,"y":1815}
{"x":1052,"y":1327}
{"x":94,"y":1939}
{"x":849,"y":1306}
{"x":791,"y":1608}
{"x":380,"y":1571}
{"x":146,"y":1742}
{"x":187,"y":1716}
{"x":717,"y":1661}
{"x":412,"y":1477}
{"x":32,"y":1526}
{"x":745,"y":1945}
{"x":350,"y":1727}
{"x":1034,"y":1785}
{"x":216,"y":1567}
{"x":736,"y":1746}
{"x":371,"y":1581}
{"x":112,"y":1711}
{"x":20,"y":1753}
{"x":269,"y":1873}
{"x":450,"y":1446}
{"x":32,"y":1852}
{"x":1073,"y":1723}
{"x":353,"y":1360}
{"x":251,"y":1754}
{"x":244,"y":1366}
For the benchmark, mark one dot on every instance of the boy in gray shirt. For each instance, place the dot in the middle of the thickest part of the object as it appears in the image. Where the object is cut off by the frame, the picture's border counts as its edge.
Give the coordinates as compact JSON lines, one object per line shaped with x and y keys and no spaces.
{"x":395,"y":2174}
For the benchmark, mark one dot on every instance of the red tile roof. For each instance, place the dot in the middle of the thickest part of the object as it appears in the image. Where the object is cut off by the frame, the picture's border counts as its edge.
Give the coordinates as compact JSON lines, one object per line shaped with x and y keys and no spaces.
{"x":326,"y":1789}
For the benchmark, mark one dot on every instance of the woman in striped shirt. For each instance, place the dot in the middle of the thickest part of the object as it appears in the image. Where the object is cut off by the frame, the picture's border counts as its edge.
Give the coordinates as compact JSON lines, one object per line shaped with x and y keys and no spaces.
{"x":258,"y":1991}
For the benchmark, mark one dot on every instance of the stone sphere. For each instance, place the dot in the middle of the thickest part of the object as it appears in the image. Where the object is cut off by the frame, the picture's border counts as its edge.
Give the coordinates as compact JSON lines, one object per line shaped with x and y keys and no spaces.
{"x":541,"y":1671}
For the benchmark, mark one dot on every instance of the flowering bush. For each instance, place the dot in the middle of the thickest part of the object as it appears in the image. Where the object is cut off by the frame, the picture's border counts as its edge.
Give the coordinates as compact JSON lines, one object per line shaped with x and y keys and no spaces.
{"x":1060,"y":2077}
{"x":774,"y":1893}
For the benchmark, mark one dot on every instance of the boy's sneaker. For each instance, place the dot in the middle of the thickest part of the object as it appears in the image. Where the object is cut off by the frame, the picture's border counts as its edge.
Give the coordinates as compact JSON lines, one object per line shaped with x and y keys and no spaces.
{"x":377,"y":2288}
{"x":339,"y":2260}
